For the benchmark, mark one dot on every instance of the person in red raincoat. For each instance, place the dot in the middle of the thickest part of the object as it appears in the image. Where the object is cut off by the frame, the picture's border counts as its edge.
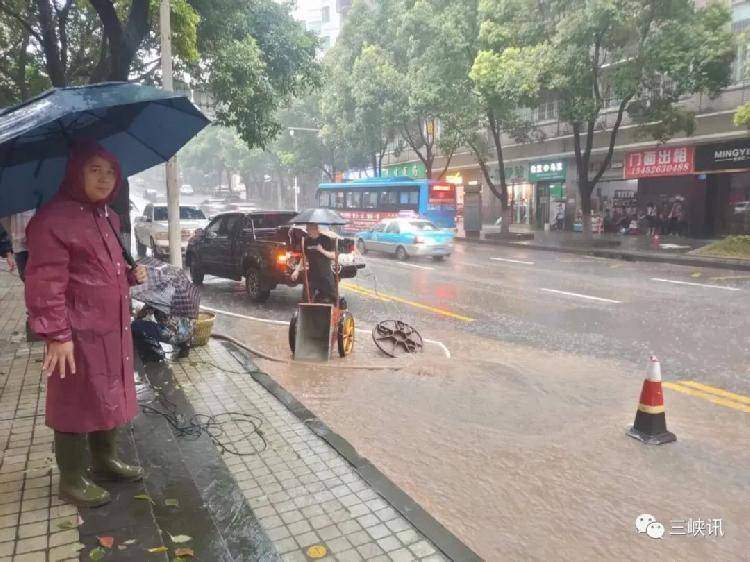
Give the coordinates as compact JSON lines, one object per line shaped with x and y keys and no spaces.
{"x":78,"y":298}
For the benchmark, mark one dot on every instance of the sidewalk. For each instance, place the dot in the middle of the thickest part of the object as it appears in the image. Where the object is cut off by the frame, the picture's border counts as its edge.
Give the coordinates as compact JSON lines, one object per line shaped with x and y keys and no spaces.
{"x":263,"y":479}
{"x":669,"y":249}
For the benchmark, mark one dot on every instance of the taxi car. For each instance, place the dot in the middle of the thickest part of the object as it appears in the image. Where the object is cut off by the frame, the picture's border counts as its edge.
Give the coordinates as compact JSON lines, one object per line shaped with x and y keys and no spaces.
{"x":405,"y":237}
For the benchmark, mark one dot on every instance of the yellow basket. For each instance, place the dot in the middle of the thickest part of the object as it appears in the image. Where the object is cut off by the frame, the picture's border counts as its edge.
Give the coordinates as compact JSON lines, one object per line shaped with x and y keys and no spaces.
{"x":203,"y":327}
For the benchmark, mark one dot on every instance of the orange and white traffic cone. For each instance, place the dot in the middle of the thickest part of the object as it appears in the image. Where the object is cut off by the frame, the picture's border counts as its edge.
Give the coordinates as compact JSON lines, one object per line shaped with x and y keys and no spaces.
{"x":650,"y":425}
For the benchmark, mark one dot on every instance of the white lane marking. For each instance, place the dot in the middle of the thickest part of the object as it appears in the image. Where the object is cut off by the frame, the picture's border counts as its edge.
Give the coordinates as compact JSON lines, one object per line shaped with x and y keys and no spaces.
{"x":244,"y":317}
{"x":588,"y":297}
{"x":415,"y":265}
{"x":695,"y":284}
{"x":284,"y":323}
{"x":513,"y":261}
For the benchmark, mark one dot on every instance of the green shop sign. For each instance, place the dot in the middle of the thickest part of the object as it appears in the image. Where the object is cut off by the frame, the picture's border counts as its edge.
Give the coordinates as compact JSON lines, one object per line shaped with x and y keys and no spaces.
{"x":414,"y":170}
{"x":548,"y":170}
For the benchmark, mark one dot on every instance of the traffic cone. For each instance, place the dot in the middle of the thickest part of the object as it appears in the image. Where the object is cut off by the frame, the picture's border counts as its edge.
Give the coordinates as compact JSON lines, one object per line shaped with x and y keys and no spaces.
{"x":650,"y":425}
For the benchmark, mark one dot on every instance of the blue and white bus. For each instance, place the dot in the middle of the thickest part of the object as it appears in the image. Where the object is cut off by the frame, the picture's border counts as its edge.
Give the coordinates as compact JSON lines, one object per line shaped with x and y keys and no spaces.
{"x":366,"y":202}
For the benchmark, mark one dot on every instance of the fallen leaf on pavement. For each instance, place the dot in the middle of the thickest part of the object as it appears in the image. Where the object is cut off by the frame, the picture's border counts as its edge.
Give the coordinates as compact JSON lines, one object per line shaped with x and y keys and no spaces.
{"x":66,"y":525}
{"x":144,"y":497}
{"x":184,"y":552}
{"x":97,"y":553}
{"x":121,"y":547}
{"x":172,"y":502}
{"x":177,"y":539}
{"x":77,"y":546}
{"x":129,"y":541}
{"x":106,"y":542}
{"x":158,"y":549}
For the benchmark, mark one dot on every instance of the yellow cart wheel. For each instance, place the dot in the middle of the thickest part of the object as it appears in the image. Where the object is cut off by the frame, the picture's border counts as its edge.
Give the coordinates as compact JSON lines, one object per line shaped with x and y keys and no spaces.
{"x":346,"y":334}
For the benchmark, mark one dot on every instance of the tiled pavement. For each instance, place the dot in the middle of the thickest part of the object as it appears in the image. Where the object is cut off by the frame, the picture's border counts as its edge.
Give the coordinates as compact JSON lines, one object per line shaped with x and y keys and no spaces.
{"x":303,"y":492}
{"x":35,"y":526}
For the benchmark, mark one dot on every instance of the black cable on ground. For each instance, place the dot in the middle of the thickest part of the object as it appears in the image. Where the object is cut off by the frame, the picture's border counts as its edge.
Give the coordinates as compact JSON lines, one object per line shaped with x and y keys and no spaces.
{"x":212,"y":425}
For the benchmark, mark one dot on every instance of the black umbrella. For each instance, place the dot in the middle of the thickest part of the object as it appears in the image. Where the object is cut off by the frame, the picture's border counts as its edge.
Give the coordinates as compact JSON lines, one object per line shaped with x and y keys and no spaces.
{"x":141,"y":125}
{"x":318,"y":216}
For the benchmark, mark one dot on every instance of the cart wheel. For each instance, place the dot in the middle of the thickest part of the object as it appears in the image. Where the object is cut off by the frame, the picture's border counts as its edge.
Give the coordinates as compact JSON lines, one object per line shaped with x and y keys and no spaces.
{"x":346,"y":334}
{"x":293,"y":330}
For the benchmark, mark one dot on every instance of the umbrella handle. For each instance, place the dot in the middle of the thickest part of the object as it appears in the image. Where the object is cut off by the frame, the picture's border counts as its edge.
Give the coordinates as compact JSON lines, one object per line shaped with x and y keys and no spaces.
{"x":125,"y":252}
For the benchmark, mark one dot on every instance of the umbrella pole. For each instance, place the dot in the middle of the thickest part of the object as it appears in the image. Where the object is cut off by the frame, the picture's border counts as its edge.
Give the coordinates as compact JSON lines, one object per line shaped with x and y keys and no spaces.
{"x":304,"y":271}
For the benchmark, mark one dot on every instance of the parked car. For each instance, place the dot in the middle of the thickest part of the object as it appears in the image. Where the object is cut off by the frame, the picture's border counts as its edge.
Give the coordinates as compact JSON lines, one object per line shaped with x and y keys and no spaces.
{"x":151,"y":230}
{"x":407,"y":237}
{"x":255,"y":246}
{"x":186,"y":189}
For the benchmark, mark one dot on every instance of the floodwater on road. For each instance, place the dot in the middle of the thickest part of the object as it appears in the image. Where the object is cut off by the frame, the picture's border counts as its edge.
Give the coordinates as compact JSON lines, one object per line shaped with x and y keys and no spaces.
{"x":522,"y":453}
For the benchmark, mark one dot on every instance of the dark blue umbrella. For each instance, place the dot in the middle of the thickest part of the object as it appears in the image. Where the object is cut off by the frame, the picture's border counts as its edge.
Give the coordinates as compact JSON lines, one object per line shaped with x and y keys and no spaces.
{"x":141,"y":125}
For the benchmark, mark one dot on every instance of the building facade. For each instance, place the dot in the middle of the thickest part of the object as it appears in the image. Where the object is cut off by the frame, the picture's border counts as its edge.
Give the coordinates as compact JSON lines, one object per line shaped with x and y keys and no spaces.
{"x":696,"y":185}
{"x":324,"y":18}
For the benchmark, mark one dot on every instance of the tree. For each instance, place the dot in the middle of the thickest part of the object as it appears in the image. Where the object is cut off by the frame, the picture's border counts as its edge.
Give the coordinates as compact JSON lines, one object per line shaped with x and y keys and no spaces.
{"x":634,"y":56}
{"x":70,"y":42}
{"x":742,"y":116}
{"x":506,"y":74}
{"x":259,"y":59}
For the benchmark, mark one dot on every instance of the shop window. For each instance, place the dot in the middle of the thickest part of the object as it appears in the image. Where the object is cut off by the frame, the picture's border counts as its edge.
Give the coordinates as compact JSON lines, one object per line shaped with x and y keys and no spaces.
{"x":325,"y":14}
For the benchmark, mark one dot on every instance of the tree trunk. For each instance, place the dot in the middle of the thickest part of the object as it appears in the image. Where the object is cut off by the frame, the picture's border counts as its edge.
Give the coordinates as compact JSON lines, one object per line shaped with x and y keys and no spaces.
{"x":506,"y":214}
{"x":585,"y":190}
{"x":52,"y":59}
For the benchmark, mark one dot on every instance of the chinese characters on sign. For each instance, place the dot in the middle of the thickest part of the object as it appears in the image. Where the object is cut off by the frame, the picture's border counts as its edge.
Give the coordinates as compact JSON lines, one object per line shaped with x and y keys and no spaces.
{"x":544,"y":171}
{"x":411,"y":170}
{"x":364,"y":220}
{"x":668,"y":161}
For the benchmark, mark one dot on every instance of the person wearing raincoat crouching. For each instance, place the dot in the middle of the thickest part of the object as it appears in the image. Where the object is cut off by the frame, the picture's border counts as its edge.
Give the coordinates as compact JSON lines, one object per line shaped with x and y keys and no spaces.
{"x":77,"y":295}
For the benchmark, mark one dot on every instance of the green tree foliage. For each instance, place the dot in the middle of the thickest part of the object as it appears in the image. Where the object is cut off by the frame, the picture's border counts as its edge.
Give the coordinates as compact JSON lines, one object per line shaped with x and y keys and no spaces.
{"x":742,"y":116}
{"x":506,"y":72}
{"x":259,"y":59}
{"x":631,"y":56}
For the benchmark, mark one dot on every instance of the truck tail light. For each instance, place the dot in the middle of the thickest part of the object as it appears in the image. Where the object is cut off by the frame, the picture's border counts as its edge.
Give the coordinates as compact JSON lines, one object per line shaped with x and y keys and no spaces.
{"x":282,"y":259}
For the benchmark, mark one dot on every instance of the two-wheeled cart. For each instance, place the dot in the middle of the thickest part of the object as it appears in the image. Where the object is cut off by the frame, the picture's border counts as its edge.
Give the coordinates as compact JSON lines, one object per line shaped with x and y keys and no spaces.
{"x":318,"y":328}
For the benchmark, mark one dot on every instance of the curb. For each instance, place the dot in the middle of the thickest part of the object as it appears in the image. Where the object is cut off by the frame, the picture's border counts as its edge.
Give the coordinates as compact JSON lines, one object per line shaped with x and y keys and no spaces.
{"x":445,"y":541}
{"x":717,"y":263}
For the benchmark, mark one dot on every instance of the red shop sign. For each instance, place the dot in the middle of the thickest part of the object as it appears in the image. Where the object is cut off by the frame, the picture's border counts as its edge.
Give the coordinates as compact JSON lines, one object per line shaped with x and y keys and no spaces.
{"x":672,"y":161}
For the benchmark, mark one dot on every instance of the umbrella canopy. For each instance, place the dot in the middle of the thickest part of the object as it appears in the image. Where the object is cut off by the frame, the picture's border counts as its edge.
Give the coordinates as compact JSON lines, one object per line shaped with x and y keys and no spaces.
{"x":168,"y":289}
{"x":318,"y":216}
{"x":141,"y":125}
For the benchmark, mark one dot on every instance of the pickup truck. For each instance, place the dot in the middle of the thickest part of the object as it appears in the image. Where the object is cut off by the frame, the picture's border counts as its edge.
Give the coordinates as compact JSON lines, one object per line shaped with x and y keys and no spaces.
{"x":255,"y":246}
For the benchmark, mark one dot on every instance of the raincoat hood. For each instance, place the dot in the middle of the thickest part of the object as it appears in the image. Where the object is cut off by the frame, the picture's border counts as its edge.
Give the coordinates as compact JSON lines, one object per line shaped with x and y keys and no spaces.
{"x":73,"y":186}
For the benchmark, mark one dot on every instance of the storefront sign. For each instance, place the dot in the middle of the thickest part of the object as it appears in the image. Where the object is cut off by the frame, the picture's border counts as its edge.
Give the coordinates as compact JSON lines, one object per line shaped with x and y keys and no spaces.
{"x":546,"y":171}
{"x":733,"y":155}
{"x":672,"y":161}
{"x":416,"y":170}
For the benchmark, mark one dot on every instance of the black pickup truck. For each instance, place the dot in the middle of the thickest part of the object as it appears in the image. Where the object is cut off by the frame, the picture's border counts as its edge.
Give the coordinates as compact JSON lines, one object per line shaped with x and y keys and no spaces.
{"x":256,"y":246}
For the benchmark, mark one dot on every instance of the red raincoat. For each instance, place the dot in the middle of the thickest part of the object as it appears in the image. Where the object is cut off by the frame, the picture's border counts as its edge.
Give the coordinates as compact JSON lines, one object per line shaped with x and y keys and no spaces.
{"x":77,"y":289}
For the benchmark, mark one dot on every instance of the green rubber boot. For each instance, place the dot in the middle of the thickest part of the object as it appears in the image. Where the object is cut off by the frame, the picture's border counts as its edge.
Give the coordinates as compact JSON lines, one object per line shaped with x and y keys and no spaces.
{"x":104,"y":460}
{"x":75,"y":487}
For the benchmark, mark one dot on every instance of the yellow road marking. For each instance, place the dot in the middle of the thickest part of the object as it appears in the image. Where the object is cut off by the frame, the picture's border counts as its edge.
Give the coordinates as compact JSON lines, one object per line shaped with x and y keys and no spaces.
{"x":707,"y":396}
{"x":386,"y":297}
{"x":728,"y":277}
{"x":717,"y":391}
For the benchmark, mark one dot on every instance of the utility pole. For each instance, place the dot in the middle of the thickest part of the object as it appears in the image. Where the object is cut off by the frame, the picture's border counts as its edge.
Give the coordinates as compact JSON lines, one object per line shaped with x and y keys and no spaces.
{"x":296,"y":195}
{"x":173,"y":192}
